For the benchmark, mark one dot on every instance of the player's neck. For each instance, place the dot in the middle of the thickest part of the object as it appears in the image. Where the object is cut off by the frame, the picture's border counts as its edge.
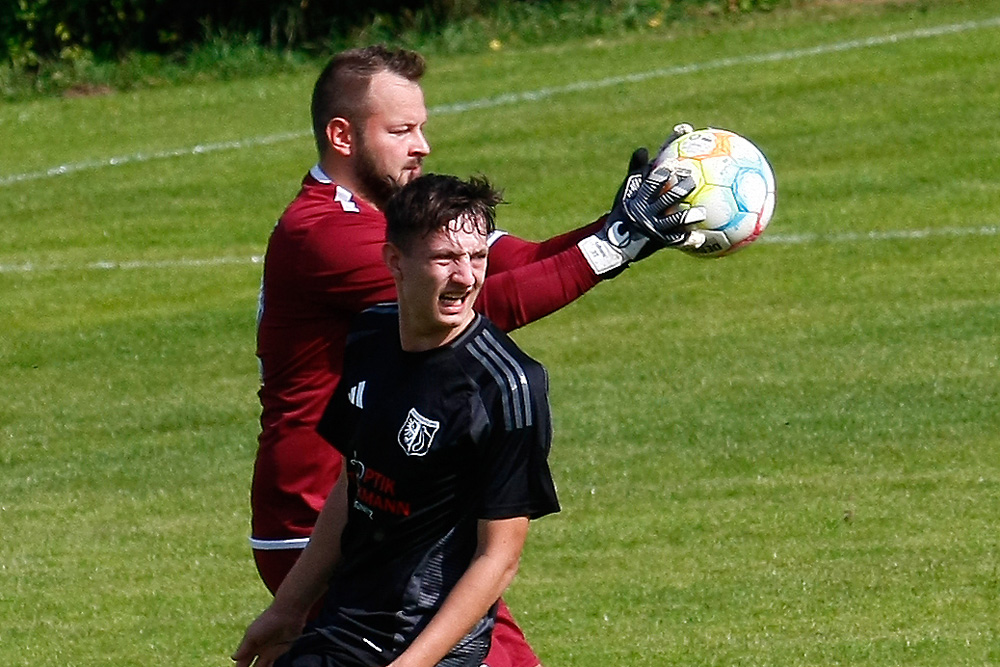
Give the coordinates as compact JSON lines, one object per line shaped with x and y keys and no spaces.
{"x":421,"y":339}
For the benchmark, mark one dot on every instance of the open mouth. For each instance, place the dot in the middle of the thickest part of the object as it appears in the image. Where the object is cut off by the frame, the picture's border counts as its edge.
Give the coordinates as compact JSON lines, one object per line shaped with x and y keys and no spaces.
{"x":454,"y":300}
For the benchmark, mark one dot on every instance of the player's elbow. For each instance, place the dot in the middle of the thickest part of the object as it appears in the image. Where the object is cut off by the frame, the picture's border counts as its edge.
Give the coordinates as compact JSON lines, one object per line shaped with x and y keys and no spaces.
{"x":500,"y":545}
{"x":509,"y":571}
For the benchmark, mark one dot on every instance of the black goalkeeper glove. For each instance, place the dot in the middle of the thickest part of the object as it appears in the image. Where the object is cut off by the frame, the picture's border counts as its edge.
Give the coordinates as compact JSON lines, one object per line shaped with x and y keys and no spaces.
{"x":608,"y":250}
{"x":638,"y":223}
{"x":646,"y":211}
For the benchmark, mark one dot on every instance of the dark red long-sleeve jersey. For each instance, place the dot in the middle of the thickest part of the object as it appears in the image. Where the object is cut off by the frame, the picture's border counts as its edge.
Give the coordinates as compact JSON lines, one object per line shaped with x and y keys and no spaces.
{"x":323,"y":266}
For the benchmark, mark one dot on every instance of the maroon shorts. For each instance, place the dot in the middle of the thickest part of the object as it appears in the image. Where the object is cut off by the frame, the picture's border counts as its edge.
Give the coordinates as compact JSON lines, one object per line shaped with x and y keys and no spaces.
{"x":509,"y":647}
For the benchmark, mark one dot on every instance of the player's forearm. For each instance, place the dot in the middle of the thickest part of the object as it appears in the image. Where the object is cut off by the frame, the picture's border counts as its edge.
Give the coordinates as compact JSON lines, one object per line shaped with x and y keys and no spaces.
{"x":490,"y":573}
{"x":510,"y":252}
{"x":514,"y":298}
{"x":307,"y":580}
{"x":273,"y":631}
{"x":468,"y":602}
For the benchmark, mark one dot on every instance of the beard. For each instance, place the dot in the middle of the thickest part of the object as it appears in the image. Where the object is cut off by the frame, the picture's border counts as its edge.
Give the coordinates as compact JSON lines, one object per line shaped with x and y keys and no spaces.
{"x":378,"y":185}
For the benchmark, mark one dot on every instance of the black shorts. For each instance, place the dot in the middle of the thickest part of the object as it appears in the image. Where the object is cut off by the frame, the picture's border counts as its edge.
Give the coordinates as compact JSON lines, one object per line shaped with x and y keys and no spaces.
{"x":308,"y":651}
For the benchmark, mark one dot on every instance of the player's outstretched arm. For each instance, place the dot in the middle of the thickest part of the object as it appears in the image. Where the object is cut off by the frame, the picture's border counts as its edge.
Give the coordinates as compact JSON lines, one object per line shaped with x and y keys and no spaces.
{"x":527,"y":282}
{"x":273,"y":632}
{"x":509,"y":252}
{"x":490,"y":572}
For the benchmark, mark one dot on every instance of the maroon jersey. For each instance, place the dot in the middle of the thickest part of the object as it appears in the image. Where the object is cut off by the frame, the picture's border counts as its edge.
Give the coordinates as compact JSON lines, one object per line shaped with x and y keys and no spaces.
{"x":324,"y":266}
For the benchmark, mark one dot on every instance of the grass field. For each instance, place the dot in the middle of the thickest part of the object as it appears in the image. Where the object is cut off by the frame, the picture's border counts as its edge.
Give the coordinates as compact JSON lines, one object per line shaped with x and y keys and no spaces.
{"x":786,"y":457}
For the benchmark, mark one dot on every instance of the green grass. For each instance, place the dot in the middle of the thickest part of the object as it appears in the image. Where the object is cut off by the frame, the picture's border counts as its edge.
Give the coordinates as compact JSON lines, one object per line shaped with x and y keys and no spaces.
{"x":786,"y":457}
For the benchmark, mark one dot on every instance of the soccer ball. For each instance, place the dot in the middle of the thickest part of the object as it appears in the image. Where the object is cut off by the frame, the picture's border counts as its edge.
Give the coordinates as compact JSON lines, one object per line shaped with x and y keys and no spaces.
{"x":735,"y":185}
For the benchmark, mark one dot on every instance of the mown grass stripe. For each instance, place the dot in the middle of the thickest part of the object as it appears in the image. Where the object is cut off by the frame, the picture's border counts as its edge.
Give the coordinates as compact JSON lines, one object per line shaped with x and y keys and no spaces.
{"x":774,"y":239}
{"x":517,"y":98}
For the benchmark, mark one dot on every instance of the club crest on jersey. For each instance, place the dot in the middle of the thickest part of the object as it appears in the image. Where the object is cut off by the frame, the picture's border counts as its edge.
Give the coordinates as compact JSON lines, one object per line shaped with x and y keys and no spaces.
{"x":417,"y":433}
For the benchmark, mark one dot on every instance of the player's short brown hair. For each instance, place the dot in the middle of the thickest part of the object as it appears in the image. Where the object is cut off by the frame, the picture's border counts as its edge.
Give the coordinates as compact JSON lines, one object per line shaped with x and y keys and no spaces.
{"x":342,"y":86}
{"x":434,"y":201}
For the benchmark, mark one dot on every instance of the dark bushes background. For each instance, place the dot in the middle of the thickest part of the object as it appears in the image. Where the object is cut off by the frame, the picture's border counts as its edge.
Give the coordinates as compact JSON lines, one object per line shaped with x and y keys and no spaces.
{"x":46,"y":30}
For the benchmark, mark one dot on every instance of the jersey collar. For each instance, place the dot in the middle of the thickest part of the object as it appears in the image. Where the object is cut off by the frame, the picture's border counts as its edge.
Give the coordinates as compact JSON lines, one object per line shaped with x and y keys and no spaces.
{"x":320,"y":175}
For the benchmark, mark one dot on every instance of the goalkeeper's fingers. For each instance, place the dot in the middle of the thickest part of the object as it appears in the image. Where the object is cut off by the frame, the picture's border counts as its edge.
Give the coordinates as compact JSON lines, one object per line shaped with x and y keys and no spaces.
{"x":675,"y":194}
{"x":687,"y":217}
{"x":674,"y":229}
{"x":639,"y":161}
{"x":660,"y":174}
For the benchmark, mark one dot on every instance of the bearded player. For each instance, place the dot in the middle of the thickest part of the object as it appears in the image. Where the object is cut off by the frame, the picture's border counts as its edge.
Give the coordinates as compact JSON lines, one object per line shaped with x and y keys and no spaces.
{"x":323,"y":266}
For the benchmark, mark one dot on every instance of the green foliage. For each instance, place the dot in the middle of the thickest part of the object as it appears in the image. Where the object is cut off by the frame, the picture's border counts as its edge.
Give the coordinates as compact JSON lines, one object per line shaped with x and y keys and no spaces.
{"x":478,"y":25}
{"x":217,"y":58}
{"x":785,"y":457}
{"x":49,"y":46}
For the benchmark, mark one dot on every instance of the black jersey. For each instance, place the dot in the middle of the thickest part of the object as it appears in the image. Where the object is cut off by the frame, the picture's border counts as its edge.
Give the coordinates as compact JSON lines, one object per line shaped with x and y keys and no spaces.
{"x":434,"y":441}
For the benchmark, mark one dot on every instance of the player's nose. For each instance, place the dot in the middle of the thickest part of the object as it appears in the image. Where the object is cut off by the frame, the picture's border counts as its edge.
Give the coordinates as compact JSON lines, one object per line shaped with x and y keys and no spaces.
{"x":463,"y":272}
{"x":420,"y":146}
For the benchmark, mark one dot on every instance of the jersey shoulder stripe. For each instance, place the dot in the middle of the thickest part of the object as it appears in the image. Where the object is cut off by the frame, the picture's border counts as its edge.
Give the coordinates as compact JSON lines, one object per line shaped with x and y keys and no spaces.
{"x":510,"y":376}
{"x":384,"y":308}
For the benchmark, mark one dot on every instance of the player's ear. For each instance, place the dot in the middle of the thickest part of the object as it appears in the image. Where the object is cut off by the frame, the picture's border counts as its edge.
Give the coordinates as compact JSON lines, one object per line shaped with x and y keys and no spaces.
{"x":340,"y":134}
{"x":391,"y":255}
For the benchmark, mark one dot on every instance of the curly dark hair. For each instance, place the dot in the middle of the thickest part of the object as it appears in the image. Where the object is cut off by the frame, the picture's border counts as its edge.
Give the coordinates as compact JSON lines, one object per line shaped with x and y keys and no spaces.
{"x":434,"y":201}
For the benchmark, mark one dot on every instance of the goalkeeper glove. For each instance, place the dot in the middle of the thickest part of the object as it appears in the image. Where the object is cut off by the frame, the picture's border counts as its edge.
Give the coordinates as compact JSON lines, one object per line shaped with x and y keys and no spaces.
{"x":635,"y":227}
{"x":664,"y":187}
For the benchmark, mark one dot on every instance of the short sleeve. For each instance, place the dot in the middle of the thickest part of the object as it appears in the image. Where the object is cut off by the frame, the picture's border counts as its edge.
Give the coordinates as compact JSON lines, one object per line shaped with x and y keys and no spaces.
{"x":514,"y":472}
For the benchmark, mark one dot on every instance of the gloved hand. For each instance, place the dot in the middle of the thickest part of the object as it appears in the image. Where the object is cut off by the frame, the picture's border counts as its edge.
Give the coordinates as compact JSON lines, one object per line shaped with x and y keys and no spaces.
{"x":646,"y":210}
{"x":638,"y":224}
{"x":612,"y":248}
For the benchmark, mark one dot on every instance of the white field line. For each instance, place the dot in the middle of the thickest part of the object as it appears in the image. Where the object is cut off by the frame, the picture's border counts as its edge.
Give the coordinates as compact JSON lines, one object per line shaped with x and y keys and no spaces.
{"x":107,"y":265}
{"x":721,"y":63}
{"x":893,"y":235}
{"x":527,"y":96}
{"x":120,"y":160}
{"x":775,"y":239}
